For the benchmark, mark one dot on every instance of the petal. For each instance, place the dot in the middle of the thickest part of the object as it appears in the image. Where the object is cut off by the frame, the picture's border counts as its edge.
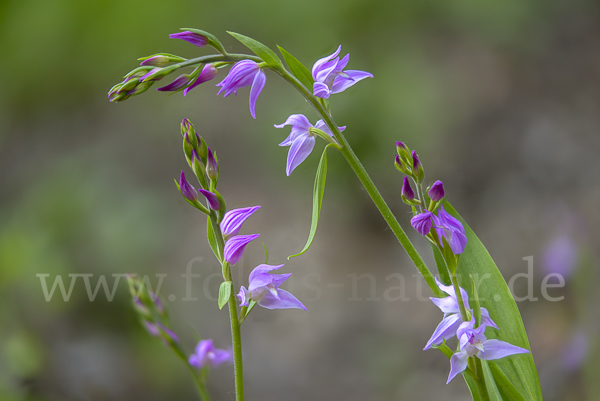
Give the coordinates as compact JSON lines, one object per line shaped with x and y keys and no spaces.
{"x":285,"y":301}
{"x":445,"y":330}
{"x":207,"y":74}
{"x":234,"y":248}
{"x":233,"y":220}
{"x":319,"y":63}
{"x":446,"y":305}
{"x":458,"y":242}
{"x":341,"y":83}
{"x":194,"y":361}
{"x":343,"y":62}
{"x":296,"y":120}
{"x":212,"y":199}
{"x":496,"y":349}
{"x":321,"y":90}
{"x":262,"y":269}
{"x":486,"y":320}
{"x":261,"y":281}
{"x":326,"y":70}
{"x":243,"y":296}
{"x":299,"y":151}
{"x":422,"y":222}
{"x":257,"y":86}
{"x":458,"y":364}
{"x":220,"y":356}
{"x":323,"y":127}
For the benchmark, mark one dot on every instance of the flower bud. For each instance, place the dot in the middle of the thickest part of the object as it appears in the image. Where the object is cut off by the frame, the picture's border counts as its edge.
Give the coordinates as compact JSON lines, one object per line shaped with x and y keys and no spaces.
{"x":187,"y":146}
{"x":417,"y":167}
{"x":212,"y":168}
{"x":186,"y":189}
{"x":213,"y":201}
{"x":202,"y":148}
{"x":156,"y":61}
{"x":199,"y":169}
{"x":407,"y":191}
{"x":191,"y":37}
{"x":436,"y":193}
{"x":401,"y":166}
{"x":179,"y":83}
{"x":403,"y":151}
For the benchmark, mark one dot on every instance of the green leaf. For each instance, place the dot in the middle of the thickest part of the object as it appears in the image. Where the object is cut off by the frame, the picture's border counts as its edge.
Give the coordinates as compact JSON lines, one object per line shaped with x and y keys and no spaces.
{"x":490,"y":383}
{"x":266,"y":254}
{"x":441,"y":266}
{"x":298,"y":69}
{"x":212,"y":239}
{"x":473,"y":387}
{"x":475,"y":304}
{"x":260,"y":50}
{"x":496,"y":297}
{"x":318,"y":191}
{"x":224,"y":293}
{"x":506,"y":388}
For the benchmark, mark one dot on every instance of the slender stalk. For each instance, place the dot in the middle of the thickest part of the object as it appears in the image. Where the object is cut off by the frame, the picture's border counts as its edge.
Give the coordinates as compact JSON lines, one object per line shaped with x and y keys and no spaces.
{"x":461,"y":305}
{"x":480,"y":381}
{"x":369,"y":185}
{"x":199,"y":384}
{"x":236,"y":337}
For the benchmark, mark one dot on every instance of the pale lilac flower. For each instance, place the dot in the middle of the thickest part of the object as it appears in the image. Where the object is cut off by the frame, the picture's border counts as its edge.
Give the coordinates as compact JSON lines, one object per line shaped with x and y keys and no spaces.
{"x":436,"y":192}
{"x":234,"y":248}
{"x":330,"y":78}
{"x":213,"y":201}
{"x":451,"y":229}
{"x":407,"y":190}
{"x":194,"y":38}
{"x":264,"y":289}
{"x":233,"y":220}
{"x":177,"y":84}
{"x":206,"y":355}
{"x":208,"y":73}
{"x":452,"y":319}
{"x":301,"y":141}
{"x":422,"y":222}
{"x":244,"y":73}
{"x":473,"y":342}
{"x":187,"y":190}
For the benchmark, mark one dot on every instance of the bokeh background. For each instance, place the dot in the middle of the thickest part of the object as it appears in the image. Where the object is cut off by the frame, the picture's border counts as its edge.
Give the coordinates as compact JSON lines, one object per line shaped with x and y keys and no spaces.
{"x":500,"y":99}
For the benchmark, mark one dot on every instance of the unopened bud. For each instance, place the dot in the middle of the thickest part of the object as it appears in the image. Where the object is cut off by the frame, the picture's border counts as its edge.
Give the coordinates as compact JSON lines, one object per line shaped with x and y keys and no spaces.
{"x":156,"y":61}
{"x":187,"y":146}
{"x":417,"y":167}
{"x":186,"y":189}
{"x":401,"y":166}
{"x":407,"y":191}
{"x":403,"y":151}
{"x":212,"y":168}
{"x":199,"y":169}
{"x":436,"y":192}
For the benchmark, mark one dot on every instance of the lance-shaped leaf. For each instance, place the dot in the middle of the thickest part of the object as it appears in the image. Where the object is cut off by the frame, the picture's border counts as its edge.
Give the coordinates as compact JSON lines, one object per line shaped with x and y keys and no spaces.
{"x":298,"y":69}
{"x":490,"y":383}
{"x":260,"y":50}
{"x":212,"y":239}
{"x":212,"y":39}
{"x":224,"y":293}
{"x":495,"y":296}
{"x":318,"y":191}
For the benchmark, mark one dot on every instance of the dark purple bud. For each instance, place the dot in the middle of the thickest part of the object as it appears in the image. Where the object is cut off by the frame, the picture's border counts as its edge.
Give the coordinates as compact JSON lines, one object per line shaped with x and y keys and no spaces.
{"x":407,"y":191}
{"x":417,"y":167}
{"x":212,"y":168}
{"x":208,"y":73}
{"x":436,"y":193}
{"x":403,"y":150}
{"x":156,"y":61}
{"x":400,"y":165}
{"x":186,"y":189}
{"x":194,"y":38}
{"x":179,"y":83}
{"x":213,"y":201}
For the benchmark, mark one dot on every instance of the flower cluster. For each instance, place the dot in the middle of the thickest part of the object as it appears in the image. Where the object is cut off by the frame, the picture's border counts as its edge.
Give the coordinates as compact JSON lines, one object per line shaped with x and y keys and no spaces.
{"x":230,"y":227}
{"x":472,"y":340}
{"x":264,"y":289}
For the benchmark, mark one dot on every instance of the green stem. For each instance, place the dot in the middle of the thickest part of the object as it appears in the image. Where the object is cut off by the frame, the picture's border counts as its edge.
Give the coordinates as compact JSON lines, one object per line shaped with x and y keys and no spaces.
{"x":201,"y":389}
{"x":236,"y":336}
{"x":364,"y":178}
{"x":480,"y":382}
{"x":461,"y":305}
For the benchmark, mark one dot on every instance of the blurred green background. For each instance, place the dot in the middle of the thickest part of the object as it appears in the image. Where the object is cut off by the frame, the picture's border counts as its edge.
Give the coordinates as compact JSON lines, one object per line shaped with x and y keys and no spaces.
{"x":500,"y":99}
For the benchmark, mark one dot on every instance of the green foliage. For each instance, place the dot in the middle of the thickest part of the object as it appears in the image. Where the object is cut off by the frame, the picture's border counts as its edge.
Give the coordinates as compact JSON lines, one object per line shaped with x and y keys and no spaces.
{"x":298,"y":69}
{"x":224,"y":293}
{"x":212,"y":239}
{"x":260,"y":50}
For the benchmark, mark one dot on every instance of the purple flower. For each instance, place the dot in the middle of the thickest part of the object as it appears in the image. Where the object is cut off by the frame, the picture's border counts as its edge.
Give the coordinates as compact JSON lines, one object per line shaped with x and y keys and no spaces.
{"x":451,"y":229}
{"x":422,"y":222}
{"x":233,"y":220}
{"x":473,"y":342}
{"x":407,"y":190}
{"x":264,"y":290}
{"x":417,"y":167}
{"x":452,"y":319}
{"x":234,"y":248}
{"x":212,"y":168}
{"x":177,"y":84}
{"x":436,"y":192}
{"x":330,"y":78}
{"x":194,"y":38}
{"x":208,"y":73}
{"x":186,"y":189}
{"x":207,"y":355}
{"x":213,"y":201}
{"x":301,"y":141}
{"x":244,"y":73}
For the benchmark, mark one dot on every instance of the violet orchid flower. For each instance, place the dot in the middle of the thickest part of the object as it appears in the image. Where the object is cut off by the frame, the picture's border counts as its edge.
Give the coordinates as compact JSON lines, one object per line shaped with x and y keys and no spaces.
{"x":233,"y":220}
{"x":187,"y":190}
{"x":206,"y":355}
{"x":244,"y":73}
{"x":451,"y":229}
{"x":177,"y":84}
{"x":264,"y":289}
{"x":452,"y":319}
{"x":330,"y":78}
{"x":234,"y":247}
{"x":301,"y":141}
{"x":473,"y":342}
{"x":208,"y":73}
{"x":213,"y":200}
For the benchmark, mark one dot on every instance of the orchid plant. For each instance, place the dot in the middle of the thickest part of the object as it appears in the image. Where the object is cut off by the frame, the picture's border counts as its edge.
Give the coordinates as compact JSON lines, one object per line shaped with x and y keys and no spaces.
{"x":499,"y":368}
